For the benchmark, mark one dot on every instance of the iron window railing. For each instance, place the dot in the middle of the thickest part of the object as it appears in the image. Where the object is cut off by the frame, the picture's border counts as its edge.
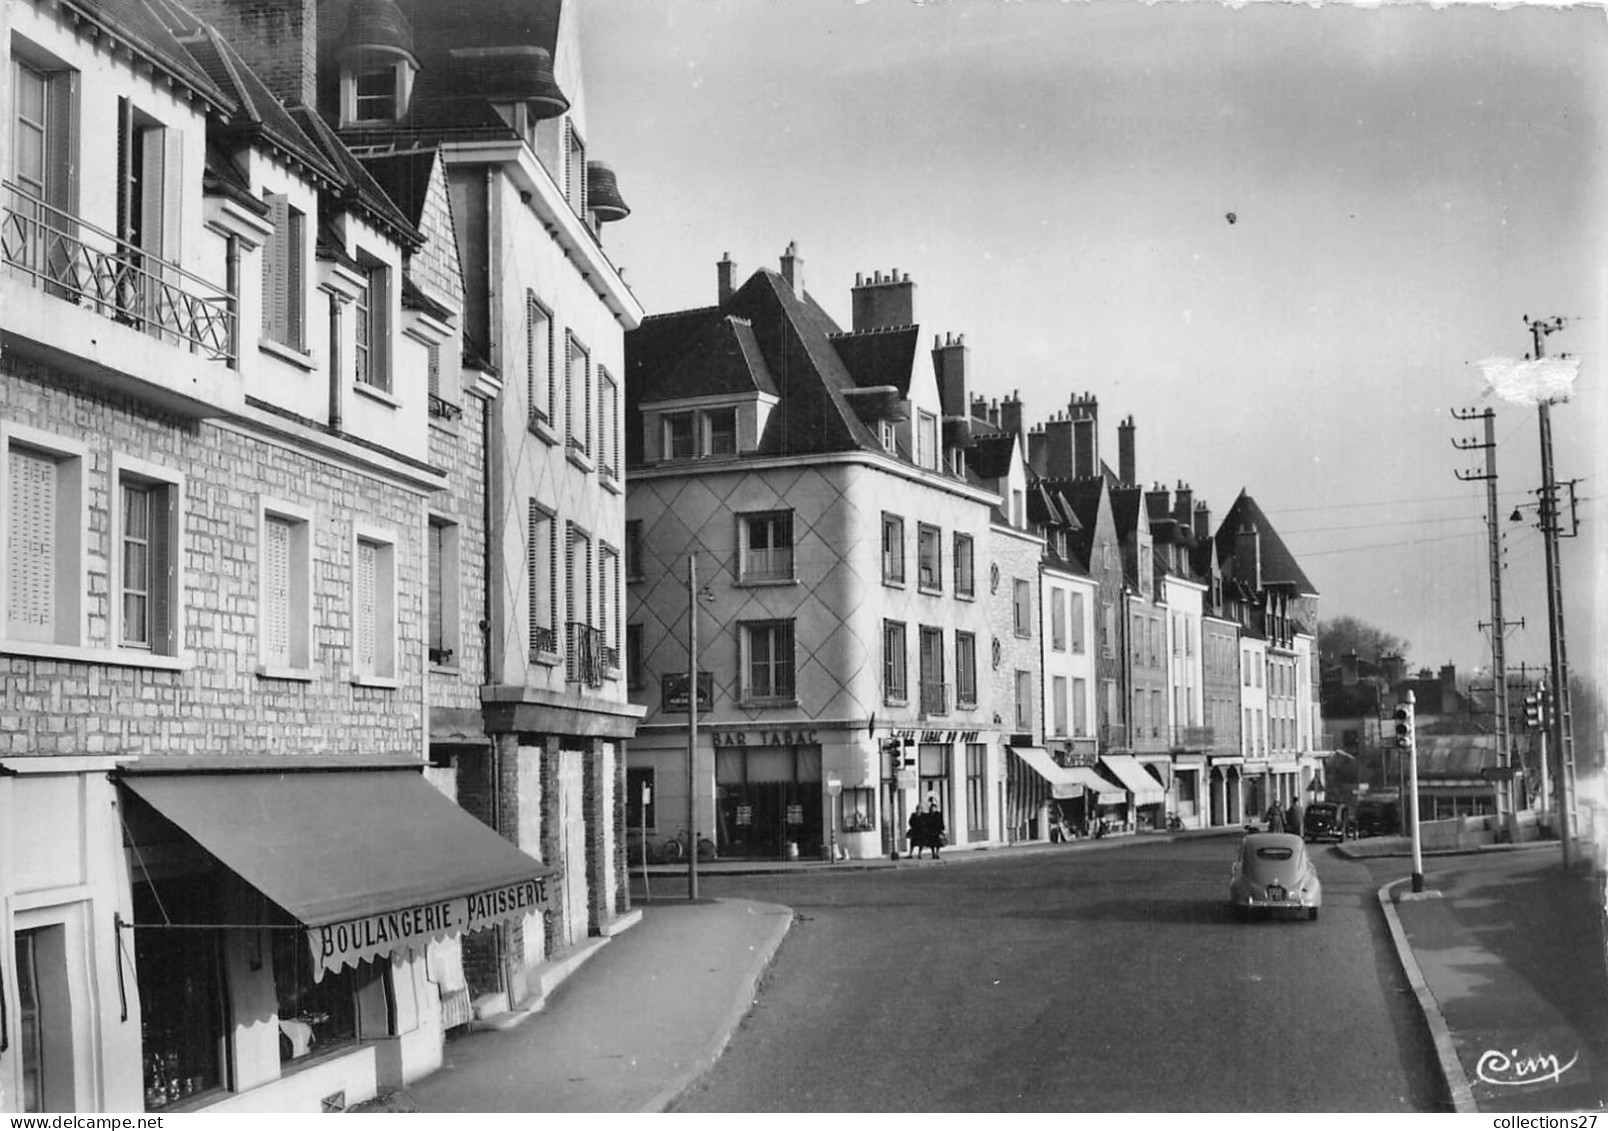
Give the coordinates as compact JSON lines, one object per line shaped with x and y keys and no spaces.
{"x":91,"y":268}
{"x":543,"y":640}
{"x":584,"y":655}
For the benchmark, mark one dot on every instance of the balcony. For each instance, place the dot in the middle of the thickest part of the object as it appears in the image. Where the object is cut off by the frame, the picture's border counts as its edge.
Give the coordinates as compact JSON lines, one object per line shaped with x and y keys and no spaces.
{"x":543,"y":643}
{"x":585,"y":654}
{"x":1192,"y":738}
{"x":114,"y":313}
{"x":444,"y":409}
{"x":934,"y":699}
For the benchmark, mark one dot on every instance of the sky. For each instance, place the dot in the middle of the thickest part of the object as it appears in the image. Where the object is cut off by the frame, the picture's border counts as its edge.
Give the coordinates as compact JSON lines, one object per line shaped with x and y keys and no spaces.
{"x":1282,"y":237}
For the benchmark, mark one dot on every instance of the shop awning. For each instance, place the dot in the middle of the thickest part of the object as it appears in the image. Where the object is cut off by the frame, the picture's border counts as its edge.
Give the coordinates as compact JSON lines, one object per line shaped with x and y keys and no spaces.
{"x":371,"y":861}
{"x":1146,"y":790}
{"x":1069,"y":781}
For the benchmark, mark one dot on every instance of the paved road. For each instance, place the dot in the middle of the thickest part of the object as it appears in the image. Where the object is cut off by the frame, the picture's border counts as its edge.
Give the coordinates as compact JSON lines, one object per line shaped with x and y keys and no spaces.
{"x":1073,"y":981}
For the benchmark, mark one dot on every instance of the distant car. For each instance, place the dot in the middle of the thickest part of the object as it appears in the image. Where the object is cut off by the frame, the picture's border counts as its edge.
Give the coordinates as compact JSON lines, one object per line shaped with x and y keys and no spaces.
{"x":1378,"y":817}
{"x":1325,"y":820}
{"x":1273,"y":874}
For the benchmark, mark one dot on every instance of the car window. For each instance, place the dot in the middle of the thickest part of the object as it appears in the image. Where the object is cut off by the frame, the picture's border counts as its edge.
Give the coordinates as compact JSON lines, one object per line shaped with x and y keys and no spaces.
{"x":1275,"y":853}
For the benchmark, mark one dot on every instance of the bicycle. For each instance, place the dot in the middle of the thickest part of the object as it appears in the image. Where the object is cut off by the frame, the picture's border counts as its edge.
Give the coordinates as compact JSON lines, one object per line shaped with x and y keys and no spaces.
{"x":674,"y":850}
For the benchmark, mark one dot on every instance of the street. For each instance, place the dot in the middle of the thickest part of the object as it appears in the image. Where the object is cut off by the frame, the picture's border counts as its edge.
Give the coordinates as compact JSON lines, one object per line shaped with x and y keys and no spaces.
{"x":1097,"y":979}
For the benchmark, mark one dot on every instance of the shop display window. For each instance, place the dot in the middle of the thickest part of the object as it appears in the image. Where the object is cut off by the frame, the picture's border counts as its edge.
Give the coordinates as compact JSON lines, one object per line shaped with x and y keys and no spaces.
{"x":859,"y":810}
{"x":181,"y":990}
{"x":316,"y":1016}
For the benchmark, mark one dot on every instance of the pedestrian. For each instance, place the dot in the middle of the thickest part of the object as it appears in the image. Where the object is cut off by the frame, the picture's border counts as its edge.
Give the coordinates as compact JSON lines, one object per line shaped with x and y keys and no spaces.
{"x":1293,"y":820}
{"x":917,"y":832}
{"x":1275,"y":817}
{"x":935,"y":826}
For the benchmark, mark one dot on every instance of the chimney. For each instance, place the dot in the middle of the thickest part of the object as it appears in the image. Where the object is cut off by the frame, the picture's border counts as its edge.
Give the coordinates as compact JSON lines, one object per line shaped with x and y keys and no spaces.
{"x":883,"y":301}
{"x":1125,"y":462}
{"x":1010,"y":414}
{"x":793,"y":268}
{"x":979,"y":409}
{"x":993,"y":413}
{"x":1448,"y":677}
{"x":1203,"y":522}
{"x":1037,"y":453}
{"x":725,"y":277}
{"x":949,"y":355}
{"x":1395,"y":668}
{"x":1156,"y":500}
{"x":1059,"y":448}
{"x":1085,"y":414}
{"x":1248,"y":558}
{"x":278,"y":39}
{"x":1184,"y":506}
{"x":1348,"y":670}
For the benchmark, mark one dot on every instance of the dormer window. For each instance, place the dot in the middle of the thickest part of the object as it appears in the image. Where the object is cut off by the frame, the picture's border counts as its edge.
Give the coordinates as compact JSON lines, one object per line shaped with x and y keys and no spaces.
{"x":699,"y":433}
{"x":375,"y":97}
{"x":722,"y":426}
{"x":377,"y":63}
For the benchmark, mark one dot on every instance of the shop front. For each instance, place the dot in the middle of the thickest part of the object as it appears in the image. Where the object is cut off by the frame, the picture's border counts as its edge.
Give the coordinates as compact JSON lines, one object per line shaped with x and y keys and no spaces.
{"x":1227,"y":800}
{"x":1188,"y":789}
{"x":1146,"y":795}
{"x":768,"y":794}
{"x":293,"y":939}
{"x":1062,"y":801}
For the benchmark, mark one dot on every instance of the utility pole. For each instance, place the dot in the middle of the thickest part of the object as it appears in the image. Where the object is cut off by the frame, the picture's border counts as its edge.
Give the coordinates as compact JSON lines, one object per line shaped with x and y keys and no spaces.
{"x":1561,"y":726}
{"x":1504,"y":791}
{"x":692,"y":727}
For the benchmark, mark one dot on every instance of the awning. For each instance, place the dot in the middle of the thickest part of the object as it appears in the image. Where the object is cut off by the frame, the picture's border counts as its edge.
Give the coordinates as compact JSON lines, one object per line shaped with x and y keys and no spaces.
{"x":1146,"y":790}
{"x":371,"y":861}
{"x":1069,"y":781}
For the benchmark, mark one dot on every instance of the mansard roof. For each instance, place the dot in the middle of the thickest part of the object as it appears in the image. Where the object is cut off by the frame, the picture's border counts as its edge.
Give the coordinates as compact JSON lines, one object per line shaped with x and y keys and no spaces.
{"x":149,"y":29}
{"x":1279,"y":566}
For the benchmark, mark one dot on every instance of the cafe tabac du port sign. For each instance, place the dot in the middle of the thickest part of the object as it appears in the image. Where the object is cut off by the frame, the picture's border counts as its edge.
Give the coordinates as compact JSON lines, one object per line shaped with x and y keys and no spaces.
{"x":673,"y":691}
{"x":336,"y":945}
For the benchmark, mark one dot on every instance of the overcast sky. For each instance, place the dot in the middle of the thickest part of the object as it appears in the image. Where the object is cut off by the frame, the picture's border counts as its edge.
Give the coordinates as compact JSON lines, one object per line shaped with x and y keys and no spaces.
{"x":1406,"y":184}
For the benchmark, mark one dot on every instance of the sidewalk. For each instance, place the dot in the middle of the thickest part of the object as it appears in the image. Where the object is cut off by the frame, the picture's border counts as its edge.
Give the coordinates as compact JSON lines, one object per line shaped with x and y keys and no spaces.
{"x":1505,"y":952}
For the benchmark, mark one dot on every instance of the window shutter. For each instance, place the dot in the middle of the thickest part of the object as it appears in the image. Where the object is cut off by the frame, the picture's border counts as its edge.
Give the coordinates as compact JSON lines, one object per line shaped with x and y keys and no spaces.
{"x":275,"y":269}
{"x":125,"y":163}
{"x":380,"y":327}
{"x":363,"y":608}
{"x":276,"y":591}
{"x":31,"y":549}
{"x":162,"y":576}
{"x":533,"y":561}
{"x":569,"y":384}
{"x":61,"y":156}
{"x":433,"y":367}
{"x":292,"y":301}
{"x":569,"y":571}
{"x":153,"y":178}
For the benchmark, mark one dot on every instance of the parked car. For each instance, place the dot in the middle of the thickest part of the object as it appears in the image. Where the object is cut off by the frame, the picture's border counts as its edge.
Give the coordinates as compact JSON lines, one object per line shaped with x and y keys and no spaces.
{"x":1378,"y":816}
{"x":1273,"y":874}
{"x":1325,"y":820}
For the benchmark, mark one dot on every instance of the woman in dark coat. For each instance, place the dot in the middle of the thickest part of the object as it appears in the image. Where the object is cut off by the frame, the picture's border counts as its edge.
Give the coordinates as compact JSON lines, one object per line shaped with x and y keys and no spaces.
{"x":918,"y":833}
{"x":935,"y":827}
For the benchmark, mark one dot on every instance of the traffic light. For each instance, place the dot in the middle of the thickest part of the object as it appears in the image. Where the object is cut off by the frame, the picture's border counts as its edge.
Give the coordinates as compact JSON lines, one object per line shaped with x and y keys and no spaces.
{"x":1404,"y":727}
{"x":1532,"y":712}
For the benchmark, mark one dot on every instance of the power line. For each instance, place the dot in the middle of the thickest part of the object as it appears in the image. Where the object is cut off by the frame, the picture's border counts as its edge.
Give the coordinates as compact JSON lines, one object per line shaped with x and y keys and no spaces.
{"x":1390,"y":545}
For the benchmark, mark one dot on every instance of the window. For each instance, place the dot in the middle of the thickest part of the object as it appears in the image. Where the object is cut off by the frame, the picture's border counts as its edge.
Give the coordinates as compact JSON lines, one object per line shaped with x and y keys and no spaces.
{"x":976,"y":792}
{"x":285,"y":590}
{"x":581,"y":656}
{"x":1158,"y":713}
{"x":1079,"y":632}
{"x":965,"y":669}
{"x":680,"y":437}
{"x":633,"y":549}
{"x":721,"y":426}
{"x":141,"y":212}
{"x":893,"y":564}
{"x":1018,"y":508}
{"x":965,"y":572}
{"x":933,"y":773}
{"x":633,"y":656}
{"x":1108,"y":629}
{"x":608,"y":424}
{"x":608,"y":607}
{"x":181,"y":984}
{"x":639,"y":799}
{"x":894,"y":687}
{"x":373,"y":607}
{"x":44,"y":164}
{"x":767,"y":546}
{"x":283,"y":275}
{"x":929,"y":557}
{"x":769,"y":647}
{"x":578,"y":395}
{"x":1022,"y":607}
{"x":43,"y":538}
{"x":1058,"y":704}
{"x":374,"y":96}
{"x":540,"y":383}
{"x":934,"y":689}
{"x":541,"y":568}
{"x":926,"y":440}
{"x":1080,"y":707}
{"x":146,"y":560}
{"x":339,"y":1008}
{"x":574,"y":169}
{"x":888,"y":435}
{"x":442,"y":630}
{"x":1024,"y":700}
{"x":1058,"y":620}
{"x":371,"y":319}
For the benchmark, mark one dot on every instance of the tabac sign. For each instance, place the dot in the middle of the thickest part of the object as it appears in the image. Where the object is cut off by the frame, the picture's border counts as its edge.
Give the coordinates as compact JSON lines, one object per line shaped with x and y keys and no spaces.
{"x":336,"y":945}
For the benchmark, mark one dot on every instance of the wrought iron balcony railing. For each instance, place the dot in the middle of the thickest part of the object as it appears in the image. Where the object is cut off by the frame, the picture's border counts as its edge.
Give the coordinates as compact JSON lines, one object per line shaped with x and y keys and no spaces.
{"x":934,"y":699}
{"x":543,"y":641}
{"x":89,"y":267}
{"x":444,"y":409}
{"x":584,"y":655}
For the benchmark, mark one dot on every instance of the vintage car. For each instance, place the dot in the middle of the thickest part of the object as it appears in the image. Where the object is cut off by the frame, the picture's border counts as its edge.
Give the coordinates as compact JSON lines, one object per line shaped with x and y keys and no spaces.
{"x":1273,"y":874}
{"x":1325,"y":820}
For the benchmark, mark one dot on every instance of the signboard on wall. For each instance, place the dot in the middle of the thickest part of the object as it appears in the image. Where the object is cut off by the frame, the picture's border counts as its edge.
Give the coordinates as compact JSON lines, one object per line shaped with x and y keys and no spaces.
{"x":673,"y":691}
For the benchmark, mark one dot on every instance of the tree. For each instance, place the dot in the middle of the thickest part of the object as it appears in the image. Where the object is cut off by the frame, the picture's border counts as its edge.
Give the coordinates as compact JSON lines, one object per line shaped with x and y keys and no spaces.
{"x":1345,"y":634}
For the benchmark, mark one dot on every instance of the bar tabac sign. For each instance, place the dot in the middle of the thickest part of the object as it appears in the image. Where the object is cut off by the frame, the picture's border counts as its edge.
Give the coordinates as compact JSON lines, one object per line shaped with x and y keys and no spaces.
{"x":337,"y":945}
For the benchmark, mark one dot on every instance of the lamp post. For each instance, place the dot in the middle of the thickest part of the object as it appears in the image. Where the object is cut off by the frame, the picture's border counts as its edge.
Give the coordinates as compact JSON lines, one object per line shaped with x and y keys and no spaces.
{"x":692,"y":727}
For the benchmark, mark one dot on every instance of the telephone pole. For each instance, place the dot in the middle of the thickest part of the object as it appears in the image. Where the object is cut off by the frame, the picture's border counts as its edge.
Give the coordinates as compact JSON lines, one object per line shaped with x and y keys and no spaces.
{"x":1504,"y":792}
{"x":1560,"y":723}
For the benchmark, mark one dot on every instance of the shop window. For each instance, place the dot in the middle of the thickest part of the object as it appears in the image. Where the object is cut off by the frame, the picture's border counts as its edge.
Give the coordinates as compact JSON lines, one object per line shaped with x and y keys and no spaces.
{"x":318,"y":1015}
{"x":859,"y":809}
{"x":183,"y":1021}
{"x":976,"y":791}
{"x":933,"y":768}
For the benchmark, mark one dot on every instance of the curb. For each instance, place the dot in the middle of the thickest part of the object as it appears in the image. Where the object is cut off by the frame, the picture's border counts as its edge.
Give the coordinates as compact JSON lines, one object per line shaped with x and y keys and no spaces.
{"x":742,"y":1003}
{"x":1451,"y":1067}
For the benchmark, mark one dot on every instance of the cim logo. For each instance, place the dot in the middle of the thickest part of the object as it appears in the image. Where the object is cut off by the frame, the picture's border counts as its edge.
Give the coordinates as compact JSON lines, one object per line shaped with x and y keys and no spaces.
{"x":1511,"y":1070}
